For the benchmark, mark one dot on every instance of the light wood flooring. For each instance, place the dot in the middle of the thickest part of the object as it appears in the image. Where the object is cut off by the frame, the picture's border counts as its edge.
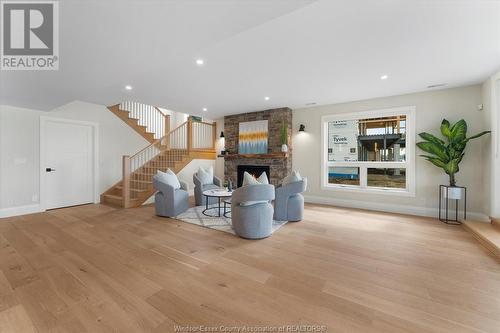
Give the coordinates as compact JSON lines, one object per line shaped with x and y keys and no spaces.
{"x":99,"y":269}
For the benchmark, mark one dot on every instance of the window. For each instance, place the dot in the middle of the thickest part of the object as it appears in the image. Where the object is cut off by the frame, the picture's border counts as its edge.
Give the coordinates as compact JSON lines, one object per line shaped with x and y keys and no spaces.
{"x":370,"y":151}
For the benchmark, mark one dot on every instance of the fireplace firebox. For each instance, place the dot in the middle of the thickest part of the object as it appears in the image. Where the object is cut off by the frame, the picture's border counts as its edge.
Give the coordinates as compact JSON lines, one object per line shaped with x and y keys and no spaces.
{"x":254,"y":170}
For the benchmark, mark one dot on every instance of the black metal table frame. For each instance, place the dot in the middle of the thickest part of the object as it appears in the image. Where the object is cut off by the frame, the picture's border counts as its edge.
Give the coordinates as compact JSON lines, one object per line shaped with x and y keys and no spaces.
{"x":446,"y":220}
{"x":218,"y":206}
{"x":225,"y":209}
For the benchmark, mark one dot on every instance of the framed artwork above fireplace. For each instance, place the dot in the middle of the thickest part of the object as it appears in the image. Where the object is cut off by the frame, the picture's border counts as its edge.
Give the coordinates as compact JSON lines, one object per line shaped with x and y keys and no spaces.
{"x":252,"y":137}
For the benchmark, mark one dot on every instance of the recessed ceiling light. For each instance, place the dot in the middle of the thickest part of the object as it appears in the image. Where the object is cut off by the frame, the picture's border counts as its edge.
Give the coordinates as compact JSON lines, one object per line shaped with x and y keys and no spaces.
{"x":200,"y":62}
{"x":128,"y":87}
{"x":205,"y":109}
{"x":384,"y":77}
{"x":266,"y":98}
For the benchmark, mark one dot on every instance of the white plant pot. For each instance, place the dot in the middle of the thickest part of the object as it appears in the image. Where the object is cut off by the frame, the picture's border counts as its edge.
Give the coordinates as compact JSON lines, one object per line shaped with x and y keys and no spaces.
{"x":284,"y":148}
{"x":453,"y":192}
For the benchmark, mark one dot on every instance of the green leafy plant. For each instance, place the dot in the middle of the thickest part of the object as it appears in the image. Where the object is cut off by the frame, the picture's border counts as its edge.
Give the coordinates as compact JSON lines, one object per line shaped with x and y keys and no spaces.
{"x":447,"y":154}
{"x":284,"y":133}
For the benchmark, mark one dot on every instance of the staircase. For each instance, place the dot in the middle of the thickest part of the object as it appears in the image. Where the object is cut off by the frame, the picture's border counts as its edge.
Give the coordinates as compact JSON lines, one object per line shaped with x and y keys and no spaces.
{"x":168,"y":150}
{"x":147,"y":120}
{"x":488,"y":234}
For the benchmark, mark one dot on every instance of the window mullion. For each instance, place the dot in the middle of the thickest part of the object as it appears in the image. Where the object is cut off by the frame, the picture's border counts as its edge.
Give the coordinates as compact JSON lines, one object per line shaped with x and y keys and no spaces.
{"x":363,"y":175}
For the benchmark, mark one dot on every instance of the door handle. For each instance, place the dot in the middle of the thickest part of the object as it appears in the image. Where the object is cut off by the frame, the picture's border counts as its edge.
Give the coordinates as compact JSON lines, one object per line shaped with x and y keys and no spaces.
{"x":49,"y":169}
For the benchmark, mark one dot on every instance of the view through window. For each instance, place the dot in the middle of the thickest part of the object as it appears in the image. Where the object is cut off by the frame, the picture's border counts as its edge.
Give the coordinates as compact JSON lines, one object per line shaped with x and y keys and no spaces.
{"x":367,"y":152}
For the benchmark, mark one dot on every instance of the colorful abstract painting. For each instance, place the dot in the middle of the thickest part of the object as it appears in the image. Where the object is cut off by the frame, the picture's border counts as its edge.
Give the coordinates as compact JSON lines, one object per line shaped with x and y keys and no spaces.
{"x":253,"y":137}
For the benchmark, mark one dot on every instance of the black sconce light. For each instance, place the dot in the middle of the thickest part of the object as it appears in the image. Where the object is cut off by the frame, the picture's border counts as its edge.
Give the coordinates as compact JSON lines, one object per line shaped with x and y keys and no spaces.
{"x":221,"y":134}
{"x":302,"y":128}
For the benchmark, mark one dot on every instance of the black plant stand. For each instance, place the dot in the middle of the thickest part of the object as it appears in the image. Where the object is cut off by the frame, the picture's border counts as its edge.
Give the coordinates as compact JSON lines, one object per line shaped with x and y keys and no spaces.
{"x":446,"y":219}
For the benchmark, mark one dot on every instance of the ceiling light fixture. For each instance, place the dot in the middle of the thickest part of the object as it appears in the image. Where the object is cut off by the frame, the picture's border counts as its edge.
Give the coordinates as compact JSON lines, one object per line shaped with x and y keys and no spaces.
{"x":384,"y":77}
{"x":205,"y":109}
{"x":267,"y":98}
{"x":200,"y":62}
{"x":128,"y":87}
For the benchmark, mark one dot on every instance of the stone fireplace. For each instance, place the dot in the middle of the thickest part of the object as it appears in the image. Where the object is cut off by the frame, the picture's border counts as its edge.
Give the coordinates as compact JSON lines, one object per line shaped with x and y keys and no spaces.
{"x":279,"y":164}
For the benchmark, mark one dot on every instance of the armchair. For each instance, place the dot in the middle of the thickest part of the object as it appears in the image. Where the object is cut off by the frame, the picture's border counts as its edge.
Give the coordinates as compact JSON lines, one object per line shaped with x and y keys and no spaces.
{"x":199,"y":188}
{"x":252,"y":212}
{"x":289,"y":203}
{"x":170,"y":202}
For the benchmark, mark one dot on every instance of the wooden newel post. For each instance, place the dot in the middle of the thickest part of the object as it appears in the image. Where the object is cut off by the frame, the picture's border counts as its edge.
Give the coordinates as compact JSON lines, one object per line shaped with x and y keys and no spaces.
{"x":167,"y":130}
{"x":190,"y":134}
{"x":126,"y":181}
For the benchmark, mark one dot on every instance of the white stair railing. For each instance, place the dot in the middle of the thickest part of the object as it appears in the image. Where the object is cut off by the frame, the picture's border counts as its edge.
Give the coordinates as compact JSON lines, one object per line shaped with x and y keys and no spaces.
{"x":147,"y":115}
{"x":203,"y":135}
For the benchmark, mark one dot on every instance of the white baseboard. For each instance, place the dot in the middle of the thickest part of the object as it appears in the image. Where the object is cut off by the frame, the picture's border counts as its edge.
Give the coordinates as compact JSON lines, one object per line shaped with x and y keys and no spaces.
{"x":20,"y":210}
{"x":391,"y":208}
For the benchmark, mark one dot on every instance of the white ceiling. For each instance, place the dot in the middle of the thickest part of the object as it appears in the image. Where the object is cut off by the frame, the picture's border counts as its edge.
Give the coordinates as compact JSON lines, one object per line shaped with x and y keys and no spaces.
{"x":294,"y":51}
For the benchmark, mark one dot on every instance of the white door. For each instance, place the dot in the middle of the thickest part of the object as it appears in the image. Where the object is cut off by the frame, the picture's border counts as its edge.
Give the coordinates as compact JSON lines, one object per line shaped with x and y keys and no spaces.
{"x":68,"y":164}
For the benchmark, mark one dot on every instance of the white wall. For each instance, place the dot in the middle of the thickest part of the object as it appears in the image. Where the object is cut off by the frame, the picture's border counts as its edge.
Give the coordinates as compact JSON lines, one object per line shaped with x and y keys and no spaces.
{"x":186,"y":174}
{"x":219,"y":145}
{"x":20,"y":151}
{"x":495,"y":160}
{"x":491,"y":156}
{"x":487,"y":145}
{"x":19,"y":160}
{"x":176,"y":118}
{"x":116,"y":138}
{"x":431,"y":108}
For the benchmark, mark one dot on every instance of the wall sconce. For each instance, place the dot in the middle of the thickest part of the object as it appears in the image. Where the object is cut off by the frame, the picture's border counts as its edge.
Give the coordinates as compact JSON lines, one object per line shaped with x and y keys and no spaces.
{"x":302,"y":128}
{"x":221,"y":134}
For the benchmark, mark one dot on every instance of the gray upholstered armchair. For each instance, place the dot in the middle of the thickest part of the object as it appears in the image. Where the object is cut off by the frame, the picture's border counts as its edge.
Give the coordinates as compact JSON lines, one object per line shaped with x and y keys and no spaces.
{"x":169,"y":201}
{"x":252,"y":212}
{"x":199,"y":188}
{"x":289,"y":202}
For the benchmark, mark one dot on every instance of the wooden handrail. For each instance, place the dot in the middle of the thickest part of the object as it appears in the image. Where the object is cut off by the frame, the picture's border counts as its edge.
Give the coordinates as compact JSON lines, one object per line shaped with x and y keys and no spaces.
{"x":204,"y":122}
{"x":147,"y":115}
{"x":147,"y":147}
{"x":178,"y":127}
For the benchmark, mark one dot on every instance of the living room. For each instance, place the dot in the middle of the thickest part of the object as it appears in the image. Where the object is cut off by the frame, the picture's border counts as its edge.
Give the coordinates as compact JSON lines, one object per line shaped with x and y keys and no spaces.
{"x":250,"y":166}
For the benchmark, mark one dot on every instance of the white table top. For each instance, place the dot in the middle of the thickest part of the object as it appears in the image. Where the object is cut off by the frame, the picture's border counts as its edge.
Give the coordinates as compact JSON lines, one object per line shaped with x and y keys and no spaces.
{"x":220,"y":192}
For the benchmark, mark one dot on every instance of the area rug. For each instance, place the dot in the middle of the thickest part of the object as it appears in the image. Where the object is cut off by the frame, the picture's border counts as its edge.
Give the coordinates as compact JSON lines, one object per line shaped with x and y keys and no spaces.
{"x":194,"y":215}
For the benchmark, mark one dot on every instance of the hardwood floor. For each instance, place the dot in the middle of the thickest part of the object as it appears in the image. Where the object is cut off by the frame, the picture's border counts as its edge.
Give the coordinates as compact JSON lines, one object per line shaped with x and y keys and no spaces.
{"x":99,"y":269}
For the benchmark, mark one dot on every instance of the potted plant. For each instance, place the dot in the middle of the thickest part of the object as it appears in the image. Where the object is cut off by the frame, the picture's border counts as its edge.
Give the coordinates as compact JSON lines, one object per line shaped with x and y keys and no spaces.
{"x":447,"y":154}
{"x":284,"y":136}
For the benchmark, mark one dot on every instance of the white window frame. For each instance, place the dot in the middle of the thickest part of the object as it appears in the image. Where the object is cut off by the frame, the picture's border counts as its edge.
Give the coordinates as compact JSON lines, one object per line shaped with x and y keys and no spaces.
{"x":409,"y":164}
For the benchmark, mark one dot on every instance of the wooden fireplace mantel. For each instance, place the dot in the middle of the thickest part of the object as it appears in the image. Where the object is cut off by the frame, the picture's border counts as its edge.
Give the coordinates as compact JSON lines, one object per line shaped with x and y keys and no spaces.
{"x":269,"y":155}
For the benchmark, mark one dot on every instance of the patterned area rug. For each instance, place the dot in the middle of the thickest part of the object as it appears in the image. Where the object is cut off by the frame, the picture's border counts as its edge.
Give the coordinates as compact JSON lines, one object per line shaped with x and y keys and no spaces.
{"x":194,"y":215}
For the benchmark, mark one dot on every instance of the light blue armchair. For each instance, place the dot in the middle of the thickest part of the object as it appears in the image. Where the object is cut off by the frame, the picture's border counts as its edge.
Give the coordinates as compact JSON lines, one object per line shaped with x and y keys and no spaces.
{"x":199,"y":188}
{"x":252,"y":211}
{"x":170,"y":202}
{"x":289,"y":203}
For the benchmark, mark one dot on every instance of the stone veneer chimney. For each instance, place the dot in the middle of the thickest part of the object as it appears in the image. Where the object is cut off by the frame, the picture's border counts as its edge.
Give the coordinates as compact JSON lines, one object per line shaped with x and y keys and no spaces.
{"x":279,"y":166}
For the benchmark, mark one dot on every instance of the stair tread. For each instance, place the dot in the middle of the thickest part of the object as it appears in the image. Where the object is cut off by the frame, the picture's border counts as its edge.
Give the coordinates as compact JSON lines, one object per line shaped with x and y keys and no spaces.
{"x":132,"y":189}
{"x":117,"y":197}
{"x":488,"y":232}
